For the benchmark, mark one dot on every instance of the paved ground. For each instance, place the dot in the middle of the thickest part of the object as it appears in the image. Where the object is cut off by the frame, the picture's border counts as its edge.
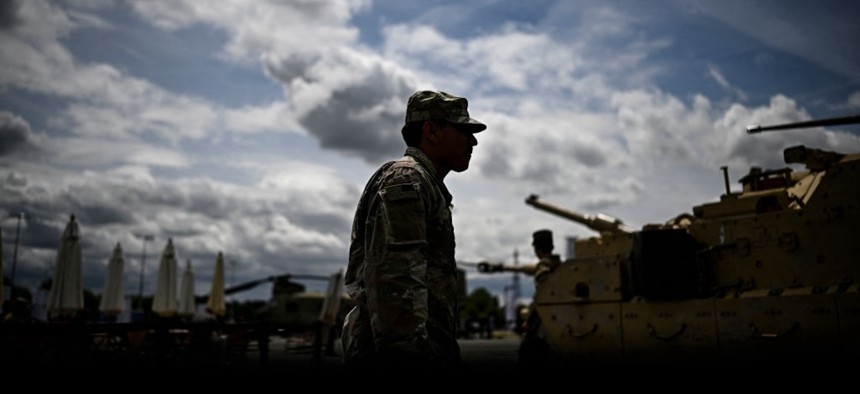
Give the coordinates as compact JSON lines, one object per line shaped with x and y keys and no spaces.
{"x":478,"y":354}
{"x":285,"y":358}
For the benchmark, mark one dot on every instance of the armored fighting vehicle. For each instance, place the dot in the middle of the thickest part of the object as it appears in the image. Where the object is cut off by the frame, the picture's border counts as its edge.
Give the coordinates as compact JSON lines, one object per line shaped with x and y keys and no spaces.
{"x":768,"y":274}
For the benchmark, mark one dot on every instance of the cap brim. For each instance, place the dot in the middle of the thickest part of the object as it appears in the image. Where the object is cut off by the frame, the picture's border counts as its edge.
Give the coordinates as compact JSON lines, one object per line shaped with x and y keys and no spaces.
{"x":473,"y":126}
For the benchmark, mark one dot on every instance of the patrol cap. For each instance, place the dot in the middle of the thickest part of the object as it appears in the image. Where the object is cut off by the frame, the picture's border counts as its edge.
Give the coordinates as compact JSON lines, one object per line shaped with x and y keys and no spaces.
{"x":542,"y":238}
{"x":431,"y":105}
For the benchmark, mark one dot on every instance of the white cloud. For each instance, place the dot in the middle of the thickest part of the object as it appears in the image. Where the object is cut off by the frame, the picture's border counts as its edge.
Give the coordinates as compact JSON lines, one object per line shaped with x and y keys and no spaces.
{"x":572,"y":97}
{"x":274,"y":117}
{"x":718,"y":76}
{"x":263,"y":26}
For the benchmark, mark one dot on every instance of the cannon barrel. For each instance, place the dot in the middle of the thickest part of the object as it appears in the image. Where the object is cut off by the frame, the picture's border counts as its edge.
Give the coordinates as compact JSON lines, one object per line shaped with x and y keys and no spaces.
{"x":842,"y":120}
{"x":599,"y":222}
{"x":486,"y":267}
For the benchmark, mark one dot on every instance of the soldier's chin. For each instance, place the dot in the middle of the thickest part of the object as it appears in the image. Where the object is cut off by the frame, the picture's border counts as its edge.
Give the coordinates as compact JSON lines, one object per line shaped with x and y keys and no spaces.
{"x":461,"y":168}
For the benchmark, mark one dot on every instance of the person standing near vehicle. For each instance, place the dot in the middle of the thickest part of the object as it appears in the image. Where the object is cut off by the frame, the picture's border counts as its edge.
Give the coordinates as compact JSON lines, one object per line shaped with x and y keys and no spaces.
{"x":547,"y":261}
{"x":402,"y":274}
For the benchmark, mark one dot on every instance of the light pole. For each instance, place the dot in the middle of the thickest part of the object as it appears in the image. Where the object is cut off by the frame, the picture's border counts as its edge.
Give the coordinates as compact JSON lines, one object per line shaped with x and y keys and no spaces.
{"x":232,"y":273}
{"x":232,"y":283}
{"x":144,"y":237}
{"x":19,"y":215}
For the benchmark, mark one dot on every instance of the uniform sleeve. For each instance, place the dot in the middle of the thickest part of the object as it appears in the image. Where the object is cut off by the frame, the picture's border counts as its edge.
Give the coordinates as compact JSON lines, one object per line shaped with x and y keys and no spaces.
{"x":396,"y":271}
{"x":544,"y":267}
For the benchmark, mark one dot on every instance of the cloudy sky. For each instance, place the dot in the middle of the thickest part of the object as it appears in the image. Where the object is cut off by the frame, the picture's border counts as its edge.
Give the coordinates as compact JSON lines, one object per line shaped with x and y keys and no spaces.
{"x":250,"y":127}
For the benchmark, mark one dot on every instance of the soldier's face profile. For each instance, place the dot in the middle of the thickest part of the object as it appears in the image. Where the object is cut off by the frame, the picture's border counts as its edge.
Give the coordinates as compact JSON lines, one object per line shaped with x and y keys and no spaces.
{"x":457,"y":143}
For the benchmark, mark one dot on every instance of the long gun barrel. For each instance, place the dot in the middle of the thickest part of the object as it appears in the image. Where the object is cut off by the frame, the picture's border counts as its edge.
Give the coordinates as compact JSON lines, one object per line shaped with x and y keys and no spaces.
{"x":842,"y":120}
{"x":600,"y":222}
{"x":486,"y":267}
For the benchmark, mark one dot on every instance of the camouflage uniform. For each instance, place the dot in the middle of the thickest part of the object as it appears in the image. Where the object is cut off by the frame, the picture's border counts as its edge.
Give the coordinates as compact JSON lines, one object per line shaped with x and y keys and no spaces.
{"x":544,"y":266}
{"x":542,"y":240}
{"x":402,"y":274}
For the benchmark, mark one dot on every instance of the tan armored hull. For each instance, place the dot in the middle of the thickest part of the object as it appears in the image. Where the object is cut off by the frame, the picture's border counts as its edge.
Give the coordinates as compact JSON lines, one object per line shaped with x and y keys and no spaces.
{"x":766,"y":274}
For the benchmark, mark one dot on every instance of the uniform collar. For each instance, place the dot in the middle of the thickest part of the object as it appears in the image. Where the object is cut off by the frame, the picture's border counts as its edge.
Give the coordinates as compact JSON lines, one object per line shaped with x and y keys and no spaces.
{"x":425,"y":162}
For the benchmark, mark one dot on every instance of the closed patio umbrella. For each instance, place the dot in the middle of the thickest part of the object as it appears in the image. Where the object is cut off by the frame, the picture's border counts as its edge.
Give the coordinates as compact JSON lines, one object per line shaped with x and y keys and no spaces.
{"x":187,"y":306}
{"x":165,"y":302}
{"x":113,"y":297}
{"x":215,"y":304}
{"x":67,"y":293}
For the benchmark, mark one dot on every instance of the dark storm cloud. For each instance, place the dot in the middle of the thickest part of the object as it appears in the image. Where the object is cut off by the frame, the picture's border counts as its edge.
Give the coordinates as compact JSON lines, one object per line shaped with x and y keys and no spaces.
{"x":103,"y":214}
{"x":39,"y":231}
{"x":15,"y":135}
{"x":13,"y":180}
{"x":361,"y":118}
{"x":9,"y":14}
{"x":370,"y":139}
{"x":589,"y":156}
{"x":43,"y":211}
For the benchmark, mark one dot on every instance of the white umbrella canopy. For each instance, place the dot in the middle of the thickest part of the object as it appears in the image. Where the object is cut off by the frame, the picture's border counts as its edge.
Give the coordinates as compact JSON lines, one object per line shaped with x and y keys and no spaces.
{"x":215,"y":304}
{"x":67,"y":293}
{"x":113,"y":297}
{"x":187,"y":305}
{"x":165,"y":302}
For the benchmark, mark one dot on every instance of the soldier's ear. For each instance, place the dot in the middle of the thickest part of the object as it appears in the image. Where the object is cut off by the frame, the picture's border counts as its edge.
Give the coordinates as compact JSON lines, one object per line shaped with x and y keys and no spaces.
{"x":430,"y":131}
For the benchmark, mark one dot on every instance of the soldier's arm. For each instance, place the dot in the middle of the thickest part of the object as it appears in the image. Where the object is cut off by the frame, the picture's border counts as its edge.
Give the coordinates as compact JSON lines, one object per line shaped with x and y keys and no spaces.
{"x":396,"y":291}
{"x":487,"y":267}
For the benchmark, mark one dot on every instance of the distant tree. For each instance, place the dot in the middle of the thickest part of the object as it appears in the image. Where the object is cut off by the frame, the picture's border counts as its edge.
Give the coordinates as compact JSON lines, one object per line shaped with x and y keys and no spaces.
{"x":480,"y":304}
{"x":481,"y":307}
